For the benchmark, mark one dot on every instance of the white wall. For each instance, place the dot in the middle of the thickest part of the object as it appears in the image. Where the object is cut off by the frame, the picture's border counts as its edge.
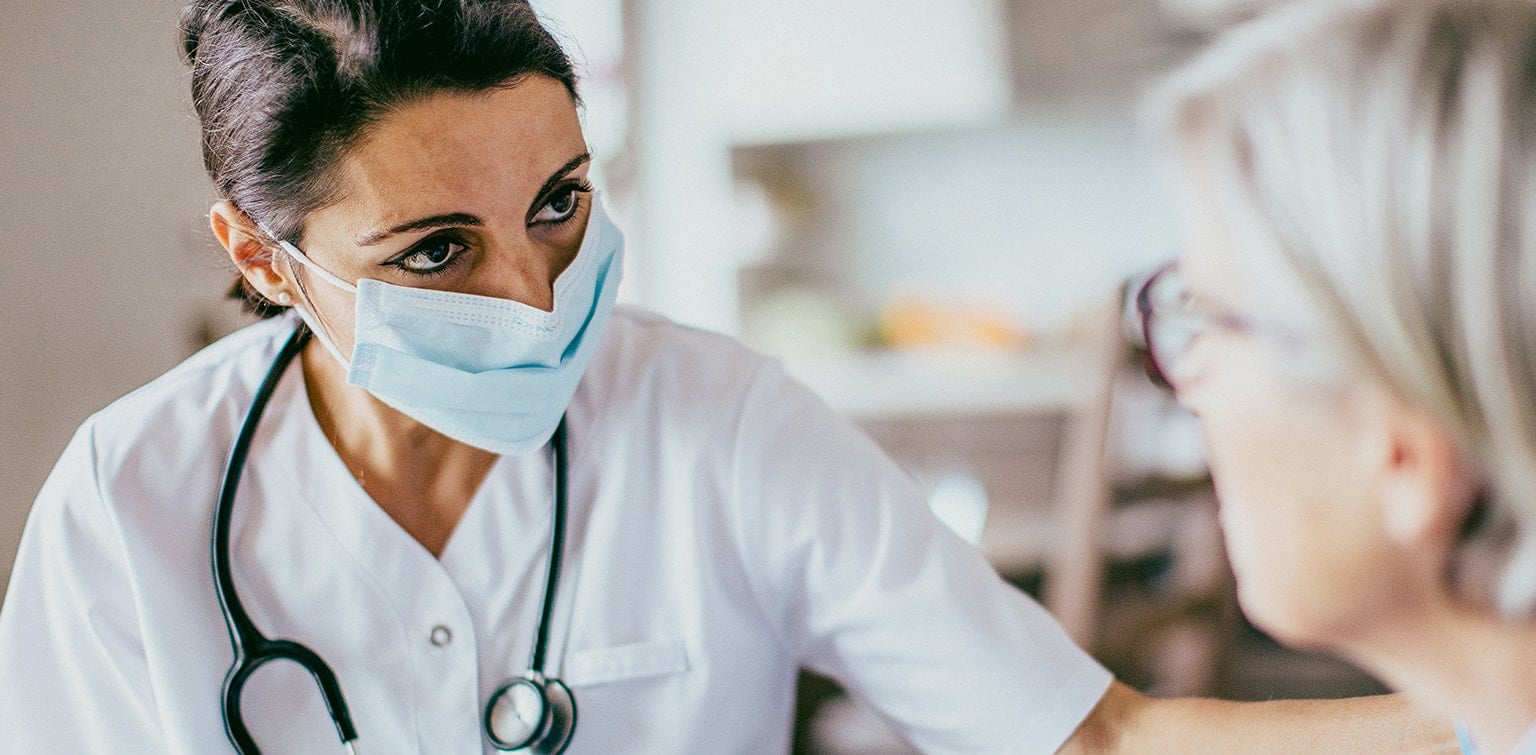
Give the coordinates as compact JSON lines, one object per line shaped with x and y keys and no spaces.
{"x":1044,"y":215}
{"x":1040,"y":216}
{"x":104,"y":263}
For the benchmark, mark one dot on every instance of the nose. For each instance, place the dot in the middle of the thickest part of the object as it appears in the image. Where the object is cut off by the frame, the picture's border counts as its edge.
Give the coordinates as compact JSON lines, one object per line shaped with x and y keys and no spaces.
{"x":521,"y":269}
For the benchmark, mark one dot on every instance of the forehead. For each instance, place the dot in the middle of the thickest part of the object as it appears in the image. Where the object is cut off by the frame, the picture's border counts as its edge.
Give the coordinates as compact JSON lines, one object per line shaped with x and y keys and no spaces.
{"x":451,"y":149}
{"x":1232,"y":256}
{"x":1207,"y":260}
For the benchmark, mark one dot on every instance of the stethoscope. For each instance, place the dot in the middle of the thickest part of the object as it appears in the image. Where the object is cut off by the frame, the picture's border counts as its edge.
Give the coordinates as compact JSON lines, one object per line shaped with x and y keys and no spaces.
{"x":531,"y":713}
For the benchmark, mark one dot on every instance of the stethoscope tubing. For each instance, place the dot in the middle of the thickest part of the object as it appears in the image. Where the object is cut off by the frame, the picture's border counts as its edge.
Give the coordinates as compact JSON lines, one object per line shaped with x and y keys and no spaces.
{"x":252,"y":649}
{"x":241,"y":629}
{"x":556,"y":553}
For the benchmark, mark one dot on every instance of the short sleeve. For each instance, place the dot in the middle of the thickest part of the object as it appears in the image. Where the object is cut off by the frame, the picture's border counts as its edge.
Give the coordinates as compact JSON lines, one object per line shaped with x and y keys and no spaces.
{"x":872,"y":590}
{"x":71,"y":656}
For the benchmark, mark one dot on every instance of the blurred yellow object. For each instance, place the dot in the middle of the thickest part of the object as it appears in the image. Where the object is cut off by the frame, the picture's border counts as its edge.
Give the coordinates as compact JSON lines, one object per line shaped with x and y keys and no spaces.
{"x":911,"y":322}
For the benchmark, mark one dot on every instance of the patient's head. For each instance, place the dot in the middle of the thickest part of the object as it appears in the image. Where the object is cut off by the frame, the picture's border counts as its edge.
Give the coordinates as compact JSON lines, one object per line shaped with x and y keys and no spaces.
{"x":1354,"y":318}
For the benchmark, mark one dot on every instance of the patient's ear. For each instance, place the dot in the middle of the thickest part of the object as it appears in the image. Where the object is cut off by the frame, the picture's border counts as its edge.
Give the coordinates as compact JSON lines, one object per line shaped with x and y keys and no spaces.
{"x":1426,"y":484}
{"x":249,"y":250}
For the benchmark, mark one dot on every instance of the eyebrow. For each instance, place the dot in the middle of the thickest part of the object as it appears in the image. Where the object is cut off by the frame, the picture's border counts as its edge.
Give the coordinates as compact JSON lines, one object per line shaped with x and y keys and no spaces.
{"x":557,"y":176}
{"x":464,"y":218}
{"x":421,"y":224}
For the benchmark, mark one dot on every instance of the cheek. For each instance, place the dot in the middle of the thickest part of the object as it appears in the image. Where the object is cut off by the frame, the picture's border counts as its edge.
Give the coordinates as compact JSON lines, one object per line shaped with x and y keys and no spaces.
{"x":1292,"y":506}
{"x":337,"y":311}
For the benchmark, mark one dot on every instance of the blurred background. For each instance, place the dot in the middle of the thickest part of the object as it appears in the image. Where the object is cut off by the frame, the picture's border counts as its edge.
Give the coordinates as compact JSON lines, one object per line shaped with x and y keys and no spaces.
{"x":929,"y":210}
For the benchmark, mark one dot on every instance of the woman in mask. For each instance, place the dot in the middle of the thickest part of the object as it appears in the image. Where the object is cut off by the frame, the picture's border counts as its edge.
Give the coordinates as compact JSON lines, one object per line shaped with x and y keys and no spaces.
{"x":1353,"y":321}
{"x":447,"y":498}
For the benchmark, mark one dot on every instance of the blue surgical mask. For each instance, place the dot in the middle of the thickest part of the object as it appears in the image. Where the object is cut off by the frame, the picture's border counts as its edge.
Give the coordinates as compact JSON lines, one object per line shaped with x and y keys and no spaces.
{"x":492,"y":373}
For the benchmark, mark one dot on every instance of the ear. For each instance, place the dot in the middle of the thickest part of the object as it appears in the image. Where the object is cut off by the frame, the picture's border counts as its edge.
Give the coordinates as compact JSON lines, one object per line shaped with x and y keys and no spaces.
{"x":1427,"y":483}
{"x":250,"y":250}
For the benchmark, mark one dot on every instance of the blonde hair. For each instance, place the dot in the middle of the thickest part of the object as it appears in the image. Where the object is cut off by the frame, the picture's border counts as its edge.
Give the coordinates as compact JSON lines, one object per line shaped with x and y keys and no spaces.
{"x":1383,"y":154}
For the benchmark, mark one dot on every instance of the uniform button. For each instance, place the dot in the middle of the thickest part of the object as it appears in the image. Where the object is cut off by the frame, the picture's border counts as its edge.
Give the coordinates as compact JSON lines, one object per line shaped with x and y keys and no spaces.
{"x":441,"y":636}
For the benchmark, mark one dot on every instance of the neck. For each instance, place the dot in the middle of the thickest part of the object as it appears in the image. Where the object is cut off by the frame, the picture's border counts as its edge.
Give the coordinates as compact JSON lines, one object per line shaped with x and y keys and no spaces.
{"x":1463,"y":663}
{"x":423,"y":479}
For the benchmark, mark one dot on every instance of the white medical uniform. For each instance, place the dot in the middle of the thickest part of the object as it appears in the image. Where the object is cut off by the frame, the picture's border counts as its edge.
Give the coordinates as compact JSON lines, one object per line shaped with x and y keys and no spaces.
{"x":725,"y":528}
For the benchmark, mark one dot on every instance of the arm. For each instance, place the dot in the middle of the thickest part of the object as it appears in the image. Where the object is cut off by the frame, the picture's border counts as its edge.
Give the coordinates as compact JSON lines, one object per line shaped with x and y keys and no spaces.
{"x":868,"y":588}
{"x":73,"y":675}
{"x":1127,"y":721}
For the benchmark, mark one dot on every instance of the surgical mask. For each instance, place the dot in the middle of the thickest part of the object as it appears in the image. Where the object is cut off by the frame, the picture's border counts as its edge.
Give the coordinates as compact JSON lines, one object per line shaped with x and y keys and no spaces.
{"x":492,"y":373}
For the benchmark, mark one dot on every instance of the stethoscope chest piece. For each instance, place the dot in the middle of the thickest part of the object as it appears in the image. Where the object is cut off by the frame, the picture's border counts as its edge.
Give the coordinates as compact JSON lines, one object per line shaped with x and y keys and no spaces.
{"x":531,"y":714}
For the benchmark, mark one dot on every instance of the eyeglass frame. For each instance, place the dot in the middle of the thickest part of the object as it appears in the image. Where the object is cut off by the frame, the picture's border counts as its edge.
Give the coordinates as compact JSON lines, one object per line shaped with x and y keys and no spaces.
{"x":1149,"y":314}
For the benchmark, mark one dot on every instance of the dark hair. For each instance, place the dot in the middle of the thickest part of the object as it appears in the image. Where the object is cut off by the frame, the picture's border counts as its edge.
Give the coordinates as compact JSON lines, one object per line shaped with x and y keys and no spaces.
{"x":283,"y":88}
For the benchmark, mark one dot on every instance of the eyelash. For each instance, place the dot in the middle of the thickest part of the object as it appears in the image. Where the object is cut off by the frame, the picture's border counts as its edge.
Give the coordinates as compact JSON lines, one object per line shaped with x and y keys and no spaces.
{"x":575,"y":189}
{"x":451,"y":239}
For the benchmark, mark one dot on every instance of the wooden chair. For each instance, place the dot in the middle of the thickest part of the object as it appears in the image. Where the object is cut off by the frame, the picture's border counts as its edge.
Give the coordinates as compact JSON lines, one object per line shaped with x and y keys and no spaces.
{"x":1171,"y":631}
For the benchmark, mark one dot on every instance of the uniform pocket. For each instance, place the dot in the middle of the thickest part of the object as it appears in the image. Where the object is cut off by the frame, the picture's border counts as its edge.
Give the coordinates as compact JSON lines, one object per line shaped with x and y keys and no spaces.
{"x":587,"y":668}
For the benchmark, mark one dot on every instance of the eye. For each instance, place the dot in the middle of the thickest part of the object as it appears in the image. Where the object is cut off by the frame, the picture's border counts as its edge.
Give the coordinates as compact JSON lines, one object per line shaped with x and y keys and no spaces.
{"x":431,"y":256}
{"x":561,"y":205}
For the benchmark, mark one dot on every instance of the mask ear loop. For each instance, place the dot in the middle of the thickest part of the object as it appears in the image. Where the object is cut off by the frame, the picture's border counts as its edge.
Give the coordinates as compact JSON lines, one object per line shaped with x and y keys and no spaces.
{"x":324,"y":274}
{"x":303,"y":307}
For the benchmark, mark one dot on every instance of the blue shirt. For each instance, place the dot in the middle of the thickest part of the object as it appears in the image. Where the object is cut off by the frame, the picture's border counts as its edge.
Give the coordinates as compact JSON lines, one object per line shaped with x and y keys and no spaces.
{"x":1527,"y":744}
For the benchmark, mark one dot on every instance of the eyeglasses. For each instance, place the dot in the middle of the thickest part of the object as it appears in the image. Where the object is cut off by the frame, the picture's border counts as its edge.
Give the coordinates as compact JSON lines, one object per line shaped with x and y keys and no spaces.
{"x":1171,"y":322}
